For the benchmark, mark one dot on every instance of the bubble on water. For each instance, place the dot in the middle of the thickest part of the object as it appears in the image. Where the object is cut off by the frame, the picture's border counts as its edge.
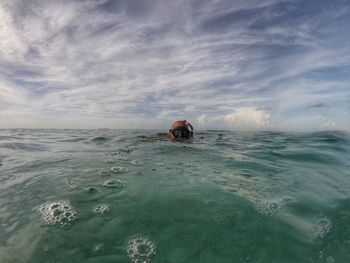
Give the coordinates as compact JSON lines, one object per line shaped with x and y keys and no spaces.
{"x":123,"y":158}
{"x":330,"y":259}
{"x":137,"y":162}
{"x":121,"y":155}
{"x":113,"y":184}
{"x":101,"y":209}
{"x":248,"y":258}
{"x":119,"y":170}
{"x":270,"y":207}
{"x":141,"y":249}
{"x":109,"y":161}
{"x":104,"y":171}
{"x":59,"y":213}
{"x":267,"y":207}
{"x":98,"y":248}
{"x":216,"y":219}
{"x":321,"y":227}
{"x":127,"y":149}
{"x":160,"y":164}
{"x":91,"y":190}
{"x":72,"y":185}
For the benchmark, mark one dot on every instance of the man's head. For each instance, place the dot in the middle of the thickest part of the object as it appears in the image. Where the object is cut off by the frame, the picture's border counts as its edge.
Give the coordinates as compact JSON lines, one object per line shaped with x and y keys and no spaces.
{"x":181,"y":130}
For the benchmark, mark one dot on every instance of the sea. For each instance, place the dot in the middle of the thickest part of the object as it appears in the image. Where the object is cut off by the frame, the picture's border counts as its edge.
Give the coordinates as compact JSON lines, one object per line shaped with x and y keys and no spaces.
{"x":93,"y":196}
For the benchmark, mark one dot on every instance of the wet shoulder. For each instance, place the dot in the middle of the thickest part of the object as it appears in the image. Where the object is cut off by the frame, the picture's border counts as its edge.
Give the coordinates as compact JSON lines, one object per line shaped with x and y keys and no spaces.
{"x":161,"y":136}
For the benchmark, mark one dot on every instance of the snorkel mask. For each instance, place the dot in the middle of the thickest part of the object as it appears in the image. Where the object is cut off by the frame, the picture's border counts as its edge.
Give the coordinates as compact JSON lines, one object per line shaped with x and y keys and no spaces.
{"x":183,"y":131}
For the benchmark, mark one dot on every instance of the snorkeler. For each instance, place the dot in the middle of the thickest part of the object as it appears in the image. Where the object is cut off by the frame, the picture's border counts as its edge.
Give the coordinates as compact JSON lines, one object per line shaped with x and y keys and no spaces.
{"x":181,"y":130}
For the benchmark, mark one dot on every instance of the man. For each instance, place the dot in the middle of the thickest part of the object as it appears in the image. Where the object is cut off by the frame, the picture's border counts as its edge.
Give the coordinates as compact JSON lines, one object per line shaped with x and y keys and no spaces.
{"x":181,"y":130}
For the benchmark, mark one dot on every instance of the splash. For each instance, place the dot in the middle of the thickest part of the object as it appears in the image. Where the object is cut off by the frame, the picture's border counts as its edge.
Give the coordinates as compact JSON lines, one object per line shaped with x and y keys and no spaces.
{"x":101,"y":209}
{"x":321,"y":228}
{"x":270,"y":207}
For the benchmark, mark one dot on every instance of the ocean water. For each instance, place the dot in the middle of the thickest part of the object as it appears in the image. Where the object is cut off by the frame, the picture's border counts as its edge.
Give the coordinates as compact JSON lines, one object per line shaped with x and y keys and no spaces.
{"x":120,"y":196}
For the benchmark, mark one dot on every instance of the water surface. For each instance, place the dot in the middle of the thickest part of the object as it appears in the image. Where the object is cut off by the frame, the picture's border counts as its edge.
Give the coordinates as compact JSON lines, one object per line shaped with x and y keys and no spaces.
{"x":115,"y":196}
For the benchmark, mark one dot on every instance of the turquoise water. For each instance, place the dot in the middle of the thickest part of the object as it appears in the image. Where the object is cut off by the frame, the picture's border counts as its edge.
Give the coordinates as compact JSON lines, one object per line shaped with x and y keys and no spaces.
{"x":117,"y":196}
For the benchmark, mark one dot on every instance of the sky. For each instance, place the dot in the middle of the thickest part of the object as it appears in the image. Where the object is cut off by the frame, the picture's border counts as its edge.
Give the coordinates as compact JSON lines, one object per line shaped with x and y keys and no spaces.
{"x":236,"y":65}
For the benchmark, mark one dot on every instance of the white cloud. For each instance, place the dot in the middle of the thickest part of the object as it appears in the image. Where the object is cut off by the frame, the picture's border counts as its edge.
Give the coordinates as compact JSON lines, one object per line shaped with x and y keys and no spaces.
{"x":202,"y":121}
{"x":249,"y":118}
{"x":10,"y":42}
{"x":10,"y":94}
{"x":328,"y":122}
{"x":241,"y":119}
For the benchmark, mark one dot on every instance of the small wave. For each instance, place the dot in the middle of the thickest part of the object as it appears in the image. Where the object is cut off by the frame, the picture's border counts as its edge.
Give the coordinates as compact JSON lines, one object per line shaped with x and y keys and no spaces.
{"x":24,"y":146}
{"x":330,"y":136}
{"x":78,"y":139}
{"x":100,"y":139}
{"x":305,"y":155}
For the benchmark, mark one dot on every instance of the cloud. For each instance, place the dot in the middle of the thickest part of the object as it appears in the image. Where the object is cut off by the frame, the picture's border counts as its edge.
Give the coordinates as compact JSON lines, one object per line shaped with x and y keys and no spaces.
{"x":202,"y":120}
{"x":328,"y":122}
{"x":241,"y":119}
{"x":10,"y":94}
{"x":249,"y":118}
{"x":317,"y":104}
{"x":107,"y":62}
